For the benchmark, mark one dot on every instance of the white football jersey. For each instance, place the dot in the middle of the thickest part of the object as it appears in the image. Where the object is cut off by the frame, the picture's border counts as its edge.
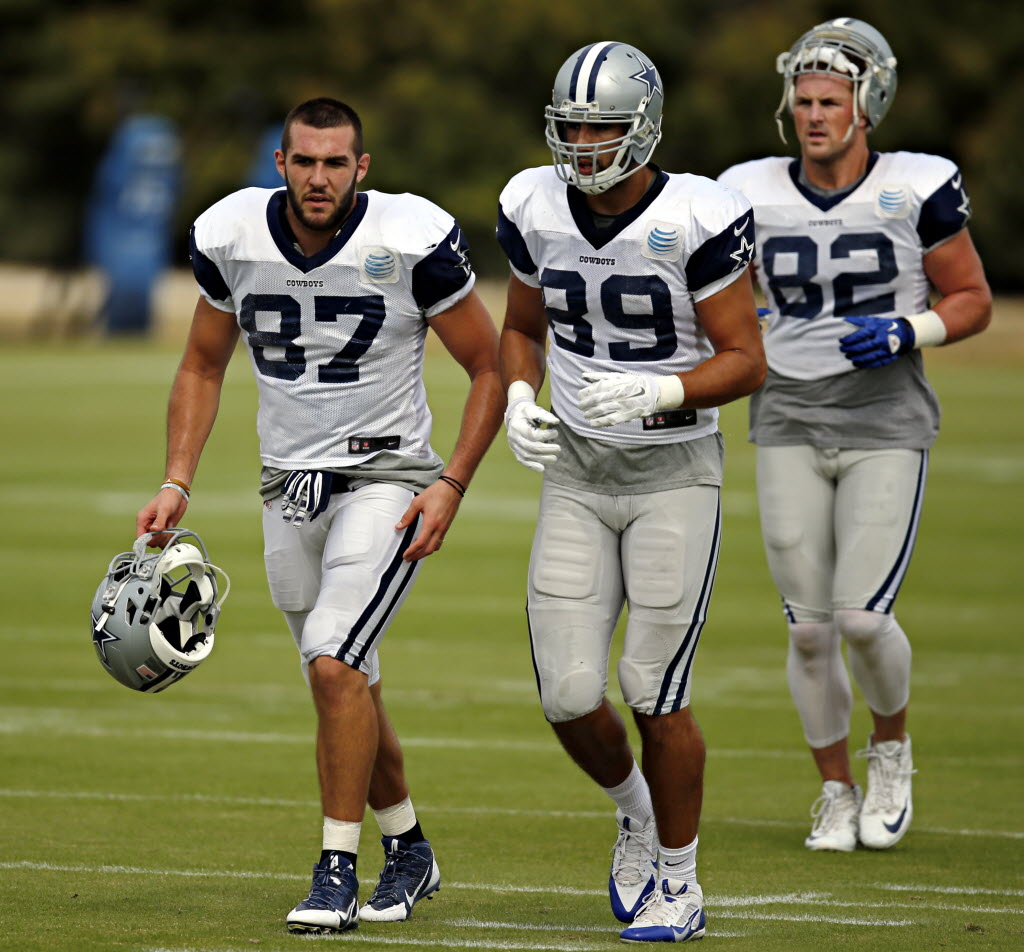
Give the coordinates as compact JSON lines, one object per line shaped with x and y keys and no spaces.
{"x":621,"y":299}
{"x":820,"y":259}
{"x":335,"y":340}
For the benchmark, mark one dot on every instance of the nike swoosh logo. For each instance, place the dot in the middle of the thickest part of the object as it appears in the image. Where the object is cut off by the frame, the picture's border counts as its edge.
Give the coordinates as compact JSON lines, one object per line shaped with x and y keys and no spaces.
{"x":410,"y":898}
{"x":893,"y":326}
{"x":957,"y":181}
{"x":739,"y":231}
{"x":893,"y":827}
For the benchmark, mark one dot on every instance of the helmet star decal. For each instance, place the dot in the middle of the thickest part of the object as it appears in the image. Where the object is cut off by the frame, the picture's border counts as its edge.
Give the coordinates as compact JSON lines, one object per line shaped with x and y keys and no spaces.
{"x":647,"y":75}
{"x":100,"y":639}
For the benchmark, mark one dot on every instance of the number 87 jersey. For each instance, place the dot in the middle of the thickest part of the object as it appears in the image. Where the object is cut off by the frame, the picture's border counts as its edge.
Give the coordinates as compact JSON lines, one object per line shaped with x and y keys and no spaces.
{"x":336,"y":339}
{"x":821,"y":258}
{"x":622,"y":298}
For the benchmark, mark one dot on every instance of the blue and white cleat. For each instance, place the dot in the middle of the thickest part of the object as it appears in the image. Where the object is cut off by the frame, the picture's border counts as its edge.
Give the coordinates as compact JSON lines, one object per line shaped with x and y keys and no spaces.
{"x":634,"y":866}
{"x":673,"y":913}
{"x":332,"y":904}
{"x":410,"y":874}
{"x":888,"y":807}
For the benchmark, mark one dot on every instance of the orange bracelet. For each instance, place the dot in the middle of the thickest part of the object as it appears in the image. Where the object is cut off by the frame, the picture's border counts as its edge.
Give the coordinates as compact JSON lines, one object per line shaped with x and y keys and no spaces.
{"x":179,"y":484}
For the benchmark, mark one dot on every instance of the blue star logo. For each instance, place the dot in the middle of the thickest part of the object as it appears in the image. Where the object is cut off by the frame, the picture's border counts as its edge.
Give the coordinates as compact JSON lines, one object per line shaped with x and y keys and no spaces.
{"x":647,"y":75}
{"x":101,"y":639}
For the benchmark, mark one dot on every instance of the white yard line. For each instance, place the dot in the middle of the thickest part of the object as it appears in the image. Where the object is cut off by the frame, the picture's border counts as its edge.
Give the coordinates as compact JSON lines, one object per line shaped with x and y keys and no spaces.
{"x":99,"y":795}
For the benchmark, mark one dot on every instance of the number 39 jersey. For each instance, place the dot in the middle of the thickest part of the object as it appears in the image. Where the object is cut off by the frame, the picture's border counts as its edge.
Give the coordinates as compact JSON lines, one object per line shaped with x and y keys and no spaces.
{"x":622,"y":298}
{"x":820,"y":259}
{"x":335,"y":340}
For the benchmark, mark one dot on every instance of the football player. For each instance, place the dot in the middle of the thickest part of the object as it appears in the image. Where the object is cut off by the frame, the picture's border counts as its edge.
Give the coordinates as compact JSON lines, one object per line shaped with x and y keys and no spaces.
{"x":636,"y":282}
{"x":333,"y":290}
{"x":849,"y":243}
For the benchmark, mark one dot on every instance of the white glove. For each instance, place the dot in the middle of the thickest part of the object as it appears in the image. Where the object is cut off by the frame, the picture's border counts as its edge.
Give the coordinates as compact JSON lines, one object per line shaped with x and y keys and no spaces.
{"x":616,"y":398}
{"x":526,"y":426}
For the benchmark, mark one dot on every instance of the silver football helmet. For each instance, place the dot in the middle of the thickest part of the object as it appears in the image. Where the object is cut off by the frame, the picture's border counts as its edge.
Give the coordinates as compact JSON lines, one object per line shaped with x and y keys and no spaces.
{"x":154,"y":614}
{"x":609,"y":83}
{"x":850,"y":49}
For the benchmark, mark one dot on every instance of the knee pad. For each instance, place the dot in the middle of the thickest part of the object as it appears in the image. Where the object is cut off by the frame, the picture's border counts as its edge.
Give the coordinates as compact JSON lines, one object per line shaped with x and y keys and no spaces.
{"x":575,"y":694}
{"x":880,"y":658}
{"x":811,"y":639}
{"x":861,"y":628}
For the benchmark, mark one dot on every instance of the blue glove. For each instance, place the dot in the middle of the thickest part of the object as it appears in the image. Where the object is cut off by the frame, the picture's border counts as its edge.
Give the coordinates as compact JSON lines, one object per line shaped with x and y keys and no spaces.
{"x":877,"y":341}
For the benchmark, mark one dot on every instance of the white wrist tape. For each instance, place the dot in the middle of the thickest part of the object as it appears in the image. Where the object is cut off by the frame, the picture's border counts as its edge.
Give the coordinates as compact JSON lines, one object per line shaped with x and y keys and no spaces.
{"x":929,"y":329}
{"x":670,"y":392}
{"x":519,"y":389}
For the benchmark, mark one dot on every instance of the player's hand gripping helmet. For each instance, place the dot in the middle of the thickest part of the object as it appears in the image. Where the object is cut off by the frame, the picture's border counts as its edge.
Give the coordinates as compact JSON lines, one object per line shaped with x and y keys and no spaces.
{"x":154,"y":613}
{"x":850,"y":49}
{"x":605,"y":83}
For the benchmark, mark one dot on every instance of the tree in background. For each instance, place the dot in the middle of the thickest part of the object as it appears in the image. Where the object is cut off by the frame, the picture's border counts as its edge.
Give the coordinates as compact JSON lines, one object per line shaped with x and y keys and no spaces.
{"x":452,"y":95}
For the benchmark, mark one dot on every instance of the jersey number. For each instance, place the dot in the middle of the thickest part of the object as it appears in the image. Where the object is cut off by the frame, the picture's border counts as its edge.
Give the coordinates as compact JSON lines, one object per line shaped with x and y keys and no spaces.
{"x":342,"y":367}
{"x":810,"y":302}
{"x":661,"y":320}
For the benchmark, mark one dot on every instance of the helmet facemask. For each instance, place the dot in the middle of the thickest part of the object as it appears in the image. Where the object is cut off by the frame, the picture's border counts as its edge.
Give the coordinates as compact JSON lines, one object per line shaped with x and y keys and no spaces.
{"x":633,"y":148}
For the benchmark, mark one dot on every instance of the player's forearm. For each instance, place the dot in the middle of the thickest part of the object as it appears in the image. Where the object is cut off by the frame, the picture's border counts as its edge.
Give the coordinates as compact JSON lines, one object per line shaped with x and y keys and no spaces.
{"x":191,"y":411}
{"x":965,"y":312}
{"x":727,"y":376}
{"x":522,"y":358}
{"x":481,"y":418}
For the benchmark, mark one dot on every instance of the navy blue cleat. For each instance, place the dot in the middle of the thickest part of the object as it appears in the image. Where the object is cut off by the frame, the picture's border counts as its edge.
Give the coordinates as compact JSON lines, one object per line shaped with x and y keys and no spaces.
{"x":673,"y":913}
{"x":410,"y":874}
{"x":332,"y":904}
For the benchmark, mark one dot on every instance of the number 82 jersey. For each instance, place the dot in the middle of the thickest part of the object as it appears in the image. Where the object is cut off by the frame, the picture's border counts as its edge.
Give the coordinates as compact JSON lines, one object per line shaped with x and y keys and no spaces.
{"x":821,"y":258}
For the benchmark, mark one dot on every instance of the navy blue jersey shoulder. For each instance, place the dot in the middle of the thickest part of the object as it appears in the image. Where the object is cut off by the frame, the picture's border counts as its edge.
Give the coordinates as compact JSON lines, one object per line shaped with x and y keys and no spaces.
{"x":443,"y":272}
{"x":207,"y":273}
{"x":513,"y":244}
{"x":731,"y":249}
{"x":944,"y":213}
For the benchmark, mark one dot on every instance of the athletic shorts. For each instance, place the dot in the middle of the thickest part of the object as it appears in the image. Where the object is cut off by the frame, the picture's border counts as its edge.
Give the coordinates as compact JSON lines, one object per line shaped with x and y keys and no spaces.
{"x":340,"y":578}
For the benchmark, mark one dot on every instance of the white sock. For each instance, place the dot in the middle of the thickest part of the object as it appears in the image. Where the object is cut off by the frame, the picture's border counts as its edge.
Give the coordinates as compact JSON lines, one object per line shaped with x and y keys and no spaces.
{"x":396,"y":819}
{"x":679,"y":863}
{"x":342,"y":835}
{"x":632,"y":796}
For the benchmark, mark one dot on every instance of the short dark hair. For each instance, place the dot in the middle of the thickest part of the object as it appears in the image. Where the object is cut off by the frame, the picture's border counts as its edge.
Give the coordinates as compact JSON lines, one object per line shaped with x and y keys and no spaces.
{"x":323,"y":113}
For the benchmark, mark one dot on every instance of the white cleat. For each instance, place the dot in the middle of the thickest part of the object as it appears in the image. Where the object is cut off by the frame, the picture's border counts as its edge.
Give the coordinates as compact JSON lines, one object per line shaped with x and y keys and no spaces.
{"x":835,"y":814}
{"x":634,"y":866}
{"x":673,"y":913}
{"x":888,"y":807}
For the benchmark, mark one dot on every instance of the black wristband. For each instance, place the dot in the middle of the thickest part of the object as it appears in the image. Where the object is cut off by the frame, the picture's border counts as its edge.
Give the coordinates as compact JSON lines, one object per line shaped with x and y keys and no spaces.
{"x":454,"y":483}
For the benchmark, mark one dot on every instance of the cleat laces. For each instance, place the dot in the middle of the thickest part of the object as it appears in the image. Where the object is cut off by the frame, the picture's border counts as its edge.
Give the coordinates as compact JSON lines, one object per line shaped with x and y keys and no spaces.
{"x":887,"y":777}
{"x":329,"y":891}
{"x":632,"y":856}
{"x":414,"y":870}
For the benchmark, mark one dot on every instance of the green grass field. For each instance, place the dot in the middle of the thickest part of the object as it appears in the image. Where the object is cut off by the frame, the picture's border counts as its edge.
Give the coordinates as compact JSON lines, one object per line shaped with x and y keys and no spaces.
{"x":189,"y":820}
